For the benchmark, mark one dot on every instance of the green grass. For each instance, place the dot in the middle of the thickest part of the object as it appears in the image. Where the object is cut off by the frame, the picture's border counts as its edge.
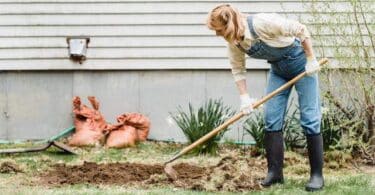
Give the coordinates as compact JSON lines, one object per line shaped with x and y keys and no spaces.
{"x":355,"y":184}
{"x":337,"y":181}
{"x":81,"y":189}
{"x":339,"y":184}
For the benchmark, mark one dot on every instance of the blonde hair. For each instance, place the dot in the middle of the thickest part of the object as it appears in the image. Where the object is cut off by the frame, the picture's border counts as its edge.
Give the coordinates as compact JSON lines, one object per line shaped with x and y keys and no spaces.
{"x":227,"y":19}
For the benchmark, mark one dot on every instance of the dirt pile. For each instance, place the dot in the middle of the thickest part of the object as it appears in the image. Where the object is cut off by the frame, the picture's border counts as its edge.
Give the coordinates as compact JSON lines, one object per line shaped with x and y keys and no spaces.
{"x":9,"y":167}
{"x":112,"y":173}
{"x":230,"y":174}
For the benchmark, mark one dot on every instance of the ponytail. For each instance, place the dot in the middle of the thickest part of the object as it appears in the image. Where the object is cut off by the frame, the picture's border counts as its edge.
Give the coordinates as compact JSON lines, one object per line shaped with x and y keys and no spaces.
{"x":226,"y":18}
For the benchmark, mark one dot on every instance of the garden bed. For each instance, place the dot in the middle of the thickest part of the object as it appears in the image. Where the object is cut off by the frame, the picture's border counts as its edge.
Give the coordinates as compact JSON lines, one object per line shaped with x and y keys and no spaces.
{"x":140,"y":170}
{"x":230,"y":174}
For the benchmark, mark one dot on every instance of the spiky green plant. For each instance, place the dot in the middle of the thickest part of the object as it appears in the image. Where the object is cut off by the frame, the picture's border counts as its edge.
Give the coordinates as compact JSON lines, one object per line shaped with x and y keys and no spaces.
{"x":331,"y":129}
{"x":340,"y":126}
{"x":196,"y":124}
{"x":293,"y":132}
{"x":352,"y":82}
{"x":255,"y":125}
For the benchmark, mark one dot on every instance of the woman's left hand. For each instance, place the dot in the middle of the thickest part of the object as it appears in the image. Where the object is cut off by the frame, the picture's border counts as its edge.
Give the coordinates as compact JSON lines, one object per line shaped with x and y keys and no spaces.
{"x":246,"y":103}
{"x":312,"y":65}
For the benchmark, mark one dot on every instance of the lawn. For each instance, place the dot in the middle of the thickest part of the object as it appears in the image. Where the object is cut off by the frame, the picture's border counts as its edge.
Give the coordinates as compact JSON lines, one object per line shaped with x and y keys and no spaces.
{"x":344,"y":180}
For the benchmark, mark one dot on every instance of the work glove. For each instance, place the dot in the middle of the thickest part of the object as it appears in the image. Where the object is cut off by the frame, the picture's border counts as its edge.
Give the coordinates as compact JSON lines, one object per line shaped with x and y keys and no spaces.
{"x":312,"y":65}
{"x":246,"y":103}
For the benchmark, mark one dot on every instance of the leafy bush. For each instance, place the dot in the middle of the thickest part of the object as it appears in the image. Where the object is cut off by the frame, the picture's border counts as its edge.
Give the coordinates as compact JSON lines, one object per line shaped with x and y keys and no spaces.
{"x":292,"y":132}
{"x":344,"y":129}
{"x":350,"y":87}
{"x":331,"y":129}
{"x":333,"y":125}
{"x":197,"y":124}
{"x":255,"y":125}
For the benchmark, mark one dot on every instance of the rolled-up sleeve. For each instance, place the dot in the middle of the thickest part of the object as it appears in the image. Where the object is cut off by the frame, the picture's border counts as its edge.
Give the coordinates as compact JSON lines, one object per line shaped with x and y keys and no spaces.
{"x":294,"y":28}
{"x":271,"y":25}
{"x":238,"y":62}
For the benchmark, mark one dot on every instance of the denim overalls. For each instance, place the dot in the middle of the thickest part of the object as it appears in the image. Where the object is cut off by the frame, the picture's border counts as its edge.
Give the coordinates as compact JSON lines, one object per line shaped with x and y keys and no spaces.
{"x":286,"y":63}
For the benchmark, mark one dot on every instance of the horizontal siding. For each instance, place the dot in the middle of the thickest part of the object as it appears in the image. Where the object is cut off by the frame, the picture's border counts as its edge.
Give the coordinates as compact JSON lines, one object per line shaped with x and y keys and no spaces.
{"x":157,"y":30}
{"x":117,"y":1}
{"x":149,"y":7}
{"x":153,"y":93}
{"x":124,"y":64}
{"x":139,"y":64}
{"x":158,"y":33}
{"x":150,"y":42}
{"x":150,"y":19}
{"x":142,"y":53}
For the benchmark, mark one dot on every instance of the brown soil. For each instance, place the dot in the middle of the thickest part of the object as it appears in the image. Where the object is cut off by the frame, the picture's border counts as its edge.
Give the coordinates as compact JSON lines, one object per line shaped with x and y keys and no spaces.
{"x":112,"y":173}
{"x":9,"y":167}
{"x":230,"y":174}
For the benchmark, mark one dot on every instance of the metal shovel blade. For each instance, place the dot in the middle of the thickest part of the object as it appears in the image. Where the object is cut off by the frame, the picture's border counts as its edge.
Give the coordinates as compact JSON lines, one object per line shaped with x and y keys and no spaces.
{"x":63,"y":147}
{"x":171,"y":173}
{"x":59,"y":145}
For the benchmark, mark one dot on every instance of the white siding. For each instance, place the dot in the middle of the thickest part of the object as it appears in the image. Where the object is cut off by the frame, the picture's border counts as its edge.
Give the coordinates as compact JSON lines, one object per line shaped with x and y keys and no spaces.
{"x":165,"y":54}
{"x":149,"y":34}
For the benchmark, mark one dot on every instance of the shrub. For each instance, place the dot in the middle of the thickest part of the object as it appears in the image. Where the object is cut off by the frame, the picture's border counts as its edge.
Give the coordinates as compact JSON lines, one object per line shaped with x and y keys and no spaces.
{"x":337,"y":128}
{"x":255,"y":125}
{"x":352,"y":82}
{"x":331,"y":128}
{"x":292,"y":132}
{"x":197,"y":124}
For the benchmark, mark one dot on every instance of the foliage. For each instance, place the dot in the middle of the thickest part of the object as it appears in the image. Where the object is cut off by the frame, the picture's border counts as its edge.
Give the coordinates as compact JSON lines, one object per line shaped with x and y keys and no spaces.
{"x":333,"y":127}
{"x":341,"y":127}
{"x":196,"y":124}
{"x":331,"y":131}
{"x":292,"y":132}
{"x":255,"y":125}
{"x":337,"y":181}
{"x":349,"y":86}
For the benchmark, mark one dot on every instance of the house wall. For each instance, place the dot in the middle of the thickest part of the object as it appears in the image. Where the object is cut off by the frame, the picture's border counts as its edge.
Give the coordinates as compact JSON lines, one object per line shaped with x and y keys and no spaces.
{"x":144,"y":56}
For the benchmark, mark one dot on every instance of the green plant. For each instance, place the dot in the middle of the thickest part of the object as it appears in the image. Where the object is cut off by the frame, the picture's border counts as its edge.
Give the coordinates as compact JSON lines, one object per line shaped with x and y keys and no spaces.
{"x":293,"y":132}
{"x":339,"y":127}
{"x":331,"y":128}
{"x":196,"y":124}
{"x":333,"y":123}
{"x":350,"y":86}
{"x":255,"y":125}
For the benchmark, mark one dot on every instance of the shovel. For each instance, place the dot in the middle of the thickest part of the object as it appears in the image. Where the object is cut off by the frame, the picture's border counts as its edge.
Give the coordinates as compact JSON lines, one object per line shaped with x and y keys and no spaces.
{"x":46,"y":144}
{"x":61,"y":146}
{"x":171,"y":173}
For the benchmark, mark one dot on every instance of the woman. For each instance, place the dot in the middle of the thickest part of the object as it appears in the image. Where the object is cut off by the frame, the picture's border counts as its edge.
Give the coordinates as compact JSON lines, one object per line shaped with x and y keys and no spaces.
{"x":286,"y":45}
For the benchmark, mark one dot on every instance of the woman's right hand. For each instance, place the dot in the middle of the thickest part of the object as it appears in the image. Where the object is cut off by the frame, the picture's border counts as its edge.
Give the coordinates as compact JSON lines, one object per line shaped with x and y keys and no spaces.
{"x":312,"y":65}
{"x":246,"y":103}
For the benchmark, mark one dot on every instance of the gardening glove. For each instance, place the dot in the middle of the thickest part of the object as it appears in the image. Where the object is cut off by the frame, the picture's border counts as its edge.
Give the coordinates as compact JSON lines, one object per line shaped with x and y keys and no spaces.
{"x":246,"y":103}
{"x":312,"y":65}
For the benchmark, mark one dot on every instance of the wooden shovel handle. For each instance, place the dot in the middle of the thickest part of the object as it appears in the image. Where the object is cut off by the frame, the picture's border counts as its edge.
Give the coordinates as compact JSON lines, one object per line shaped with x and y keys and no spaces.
{"x":241,"y":114}
{"x":285,"y":86}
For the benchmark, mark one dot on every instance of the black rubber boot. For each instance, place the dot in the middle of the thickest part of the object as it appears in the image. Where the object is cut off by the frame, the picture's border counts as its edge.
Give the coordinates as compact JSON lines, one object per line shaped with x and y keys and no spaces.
{"x":315,"y":148}
{"x":274,"y":145}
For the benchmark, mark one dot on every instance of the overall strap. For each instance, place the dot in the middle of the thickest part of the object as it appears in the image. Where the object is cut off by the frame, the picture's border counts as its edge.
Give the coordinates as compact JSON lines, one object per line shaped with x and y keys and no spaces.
{"x":252,"y":32}
{"x":241,"y":48}
{"x":251,"y":27}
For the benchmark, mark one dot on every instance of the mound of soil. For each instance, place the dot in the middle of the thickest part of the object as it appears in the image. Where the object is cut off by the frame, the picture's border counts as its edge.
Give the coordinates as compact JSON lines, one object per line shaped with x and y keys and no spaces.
{"x":9,"y":167}
{"x":230,"y":174}
{"x":112,"y":173}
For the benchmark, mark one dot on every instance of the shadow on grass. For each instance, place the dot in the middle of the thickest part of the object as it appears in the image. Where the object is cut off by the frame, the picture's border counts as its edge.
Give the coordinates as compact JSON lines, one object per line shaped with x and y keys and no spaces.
{"x":355,"y":184}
